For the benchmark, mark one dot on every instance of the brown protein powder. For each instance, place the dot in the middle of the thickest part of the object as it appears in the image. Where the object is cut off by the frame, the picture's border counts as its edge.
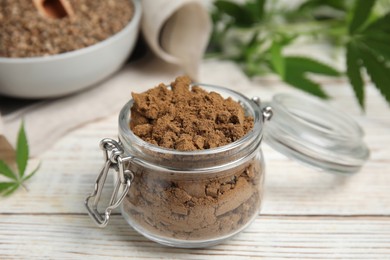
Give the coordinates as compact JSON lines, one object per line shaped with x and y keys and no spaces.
{"x":25,"y":33}
{"x":187,"y":119}
{"x":187,"y":205}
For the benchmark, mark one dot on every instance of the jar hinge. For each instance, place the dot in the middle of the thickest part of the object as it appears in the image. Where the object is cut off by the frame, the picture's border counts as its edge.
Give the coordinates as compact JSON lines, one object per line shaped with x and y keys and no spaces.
{"x":266,"y":110}
{"x":113,"y":156}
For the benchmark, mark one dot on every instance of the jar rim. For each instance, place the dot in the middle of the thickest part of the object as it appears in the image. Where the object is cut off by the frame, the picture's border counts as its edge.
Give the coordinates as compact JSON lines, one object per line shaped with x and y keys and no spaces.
{"x":128,"y":137}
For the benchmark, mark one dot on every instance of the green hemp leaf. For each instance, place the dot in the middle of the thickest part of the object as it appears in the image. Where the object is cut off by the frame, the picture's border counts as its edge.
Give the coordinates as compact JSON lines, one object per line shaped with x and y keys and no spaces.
{"x":16,"y":179}
{"x":294,"y":70}
{"x":369,"y":48}
{"x":297,"y":69}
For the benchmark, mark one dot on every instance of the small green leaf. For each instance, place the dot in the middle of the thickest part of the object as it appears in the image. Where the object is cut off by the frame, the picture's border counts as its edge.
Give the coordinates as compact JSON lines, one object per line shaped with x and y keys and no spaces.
{"x":256,"y":9}
{"x":32,"y":173}
{"x":381,"y":48}
{"x":378,"y":71}
{"x":215,"y":16}
{"x":277,"y":59}
{"x":254,"y":40}
{"x":312,"y":4}
{"x":361,"y":13}
{"x":11,"y":190}
{"x":250,"y":49}
{"x":310,"y":65}
{"x":300,"y":82}
{"x":382,"y":24}
{"x":354,"y":73}
{"x":6,"y":171}
{"x":260,"y":7}
{"x":377,"y":37}
{"x":240,"y":15}
{"x":6,"y":187}
{"x":296,"y":69}
{"x":22,"y":151}
{"x":371,"y":49}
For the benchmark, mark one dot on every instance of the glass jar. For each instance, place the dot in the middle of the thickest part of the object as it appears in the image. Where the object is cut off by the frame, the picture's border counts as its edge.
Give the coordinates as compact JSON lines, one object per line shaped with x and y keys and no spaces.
{"x":201,"y":198}
{"x":187,"y":198}
{"x":194,"y":198}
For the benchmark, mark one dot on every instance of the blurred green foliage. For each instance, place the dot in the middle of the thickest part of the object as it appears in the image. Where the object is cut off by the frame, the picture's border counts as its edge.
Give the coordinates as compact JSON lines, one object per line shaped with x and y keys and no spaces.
{"x":254,"y":33}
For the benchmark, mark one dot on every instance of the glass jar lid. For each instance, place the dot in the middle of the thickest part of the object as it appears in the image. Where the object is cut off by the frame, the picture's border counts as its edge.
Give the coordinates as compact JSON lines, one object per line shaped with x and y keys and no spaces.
{"x":312,"y":132}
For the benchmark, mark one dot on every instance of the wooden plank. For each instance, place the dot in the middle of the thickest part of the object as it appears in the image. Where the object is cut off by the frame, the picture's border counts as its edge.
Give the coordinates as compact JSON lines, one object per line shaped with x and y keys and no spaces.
{"x":74,"y":236}
{"x":306,"y":214}
{"x":62,"y":184}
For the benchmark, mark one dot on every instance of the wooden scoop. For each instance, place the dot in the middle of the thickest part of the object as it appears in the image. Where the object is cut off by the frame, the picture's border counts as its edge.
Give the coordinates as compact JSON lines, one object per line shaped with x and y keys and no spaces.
{"x":54,"y":9}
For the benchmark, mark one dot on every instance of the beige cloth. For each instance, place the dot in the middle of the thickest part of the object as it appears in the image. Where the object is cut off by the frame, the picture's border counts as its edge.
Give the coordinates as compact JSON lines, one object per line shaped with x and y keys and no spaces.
{"x":47,"y":121}
{"x":176,"y":31}
{"x":6,"y":150}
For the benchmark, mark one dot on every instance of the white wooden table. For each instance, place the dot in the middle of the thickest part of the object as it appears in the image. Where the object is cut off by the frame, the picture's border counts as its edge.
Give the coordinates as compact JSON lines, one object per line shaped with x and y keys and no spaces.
{"x":306,"y":214}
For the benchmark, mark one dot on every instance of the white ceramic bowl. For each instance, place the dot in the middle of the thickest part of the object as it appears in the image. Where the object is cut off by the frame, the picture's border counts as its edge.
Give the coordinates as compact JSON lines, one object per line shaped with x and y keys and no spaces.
{"x":62,"y":74}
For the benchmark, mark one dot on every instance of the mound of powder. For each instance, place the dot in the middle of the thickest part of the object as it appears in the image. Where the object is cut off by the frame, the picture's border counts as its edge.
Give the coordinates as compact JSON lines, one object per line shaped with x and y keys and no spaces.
{"x":187,"y":118}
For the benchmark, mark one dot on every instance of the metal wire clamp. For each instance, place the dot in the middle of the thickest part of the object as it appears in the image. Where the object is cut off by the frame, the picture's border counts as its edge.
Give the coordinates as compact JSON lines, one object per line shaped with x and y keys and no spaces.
{"x":113,"y":156}
{"x":266,"y":110}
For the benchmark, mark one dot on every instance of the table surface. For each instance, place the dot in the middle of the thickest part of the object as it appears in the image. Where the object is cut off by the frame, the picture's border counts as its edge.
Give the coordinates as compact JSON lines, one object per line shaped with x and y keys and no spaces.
{"x":306,"y":214}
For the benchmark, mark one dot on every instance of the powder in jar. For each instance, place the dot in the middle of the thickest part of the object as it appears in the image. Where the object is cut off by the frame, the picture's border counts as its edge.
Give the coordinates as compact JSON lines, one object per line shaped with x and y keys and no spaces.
{"x":25,"y":33}
{"x":188,"y":205}
{"x":187,"y":119}
{"x":191,"y":207}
